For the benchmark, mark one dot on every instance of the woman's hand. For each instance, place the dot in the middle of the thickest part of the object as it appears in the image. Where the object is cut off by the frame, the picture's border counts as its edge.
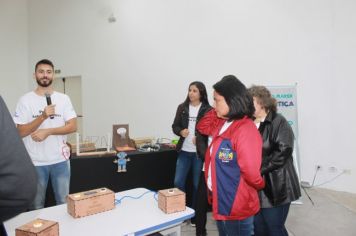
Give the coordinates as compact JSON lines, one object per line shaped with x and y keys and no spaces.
{"x":184,"y":133}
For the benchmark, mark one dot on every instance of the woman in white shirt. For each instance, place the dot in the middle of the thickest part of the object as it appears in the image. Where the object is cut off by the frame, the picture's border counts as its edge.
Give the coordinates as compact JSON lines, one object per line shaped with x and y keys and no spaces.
{"x":192,"y":145}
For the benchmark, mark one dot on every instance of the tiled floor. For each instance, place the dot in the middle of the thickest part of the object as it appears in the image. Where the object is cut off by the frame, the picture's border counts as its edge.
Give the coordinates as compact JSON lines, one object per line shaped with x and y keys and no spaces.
{"x":328,"y":213}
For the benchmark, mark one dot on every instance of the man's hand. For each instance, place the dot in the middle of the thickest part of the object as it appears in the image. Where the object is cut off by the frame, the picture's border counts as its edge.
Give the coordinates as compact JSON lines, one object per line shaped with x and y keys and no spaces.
{"x":40,"y":135}
{"x":184,"y":133}
{"x":48,"y":111}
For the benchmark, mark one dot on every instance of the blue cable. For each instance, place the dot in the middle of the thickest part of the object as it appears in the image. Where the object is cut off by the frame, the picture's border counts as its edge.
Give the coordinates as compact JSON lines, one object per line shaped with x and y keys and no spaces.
{"x":118,"y":201}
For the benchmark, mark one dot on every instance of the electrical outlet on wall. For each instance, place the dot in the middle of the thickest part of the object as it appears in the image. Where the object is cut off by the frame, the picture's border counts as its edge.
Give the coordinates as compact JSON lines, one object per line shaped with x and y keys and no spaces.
{"x":305,"y":184}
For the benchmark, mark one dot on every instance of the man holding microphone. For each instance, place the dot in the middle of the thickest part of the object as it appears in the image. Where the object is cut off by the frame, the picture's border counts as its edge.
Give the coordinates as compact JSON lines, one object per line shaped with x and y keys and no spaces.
{"x":44,"y":117}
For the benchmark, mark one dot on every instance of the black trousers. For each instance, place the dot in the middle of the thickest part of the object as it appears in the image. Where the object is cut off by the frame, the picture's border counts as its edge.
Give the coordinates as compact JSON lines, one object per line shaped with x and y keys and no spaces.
{"x":2,"y":230}
{"x":202,"y":206}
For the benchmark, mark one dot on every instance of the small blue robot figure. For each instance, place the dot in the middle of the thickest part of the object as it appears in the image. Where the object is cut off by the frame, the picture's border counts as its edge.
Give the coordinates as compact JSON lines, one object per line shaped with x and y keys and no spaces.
{"x":121,"y":161}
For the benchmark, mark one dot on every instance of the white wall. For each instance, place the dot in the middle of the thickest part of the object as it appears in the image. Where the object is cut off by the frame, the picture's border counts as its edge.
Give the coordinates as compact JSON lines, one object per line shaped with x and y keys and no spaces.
{"x":13,"y":51}
{"x":137,"y":69}
{"x":343,"y":84}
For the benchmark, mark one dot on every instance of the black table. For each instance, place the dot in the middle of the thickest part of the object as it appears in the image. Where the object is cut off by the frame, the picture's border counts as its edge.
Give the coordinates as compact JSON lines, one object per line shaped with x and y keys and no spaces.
{"x":151,"y":170}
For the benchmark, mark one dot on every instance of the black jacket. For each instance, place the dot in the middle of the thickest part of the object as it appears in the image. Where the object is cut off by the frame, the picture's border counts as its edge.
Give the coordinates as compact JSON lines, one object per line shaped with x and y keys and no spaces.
{"x":181,"y":122}
{"x":282,"y":184}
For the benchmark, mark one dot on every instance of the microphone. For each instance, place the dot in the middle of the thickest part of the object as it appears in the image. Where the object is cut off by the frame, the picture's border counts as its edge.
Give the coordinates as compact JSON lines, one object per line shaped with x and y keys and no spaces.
{"x":49,"y":102}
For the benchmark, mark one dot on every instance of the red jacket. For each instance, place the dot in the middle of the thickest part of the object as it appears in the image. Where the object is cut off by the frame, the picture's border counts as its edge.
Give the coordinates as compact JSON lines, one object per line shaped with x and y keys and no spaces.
{"x":235,"y":160}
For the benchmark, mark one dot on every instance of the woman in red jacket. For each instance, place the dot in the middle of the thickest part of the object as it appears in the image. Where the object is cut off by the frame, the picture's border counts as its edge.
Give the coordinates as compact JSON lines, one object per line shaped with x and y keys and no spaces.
{"x":233,"y":159}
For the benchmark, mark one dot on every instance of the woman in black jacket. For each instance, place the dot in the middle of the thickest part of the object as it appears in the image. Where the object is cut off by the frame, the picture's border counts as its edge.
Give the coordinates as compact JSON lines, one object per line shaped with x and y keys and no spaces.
{"x":282,"y":184}
{"x":192,"y":145}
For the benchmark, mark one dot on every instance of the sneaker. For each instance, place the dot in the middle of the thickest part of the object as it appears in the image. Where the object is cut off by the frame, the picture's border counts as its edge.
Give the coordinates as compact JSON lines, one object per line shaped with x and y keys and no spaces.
{"x":192,"y":222}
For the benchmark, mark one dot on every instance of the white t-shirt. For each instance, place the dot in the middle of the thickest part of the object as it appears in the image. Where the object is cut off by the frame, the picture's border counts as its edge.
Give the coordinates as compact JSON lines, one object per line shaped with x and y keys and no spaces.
{"x":53,"y":149}
{"x":188,"y":144}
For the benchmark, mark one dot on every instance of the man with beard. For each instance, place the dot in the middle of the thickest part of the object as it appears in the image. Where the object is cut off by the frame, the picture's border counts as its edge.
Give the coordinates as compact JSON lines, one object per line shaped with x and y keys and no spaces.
{"x":44,"y":126}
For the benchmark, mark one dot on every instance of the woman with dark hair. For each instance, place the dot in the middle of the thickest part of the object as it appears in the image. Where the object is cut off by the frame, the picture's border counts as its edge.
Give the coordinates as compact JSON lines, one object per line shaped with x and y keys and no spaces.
{"x":282,"y":185}
{"x":233,"y":159}
{"x":192,"y":144}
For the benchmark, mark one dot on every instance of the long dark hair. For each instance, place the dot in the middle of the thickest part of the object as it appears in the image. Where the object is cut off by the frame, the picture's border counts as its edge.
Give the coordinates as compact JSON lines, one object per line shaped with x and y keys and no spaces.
{"x":238,"y":99}
{"x":202,"y":91}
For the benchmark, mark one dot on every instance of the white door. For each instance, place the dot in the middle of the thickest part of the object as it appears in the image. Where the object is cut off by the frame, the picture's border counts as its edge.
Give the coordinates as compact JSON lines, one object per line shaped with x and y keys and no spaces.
{"x":72,"y":86}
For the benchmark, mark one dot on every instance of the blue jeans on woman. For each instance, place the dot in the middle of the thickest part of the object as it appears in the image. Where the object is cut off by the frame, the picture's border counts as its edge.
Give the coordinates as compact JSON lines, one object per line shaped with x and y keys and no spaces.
{"x":60,"y":178}
{"x":270,"y":221}
{"x":235,"y":227}
{"x":185,"y":162}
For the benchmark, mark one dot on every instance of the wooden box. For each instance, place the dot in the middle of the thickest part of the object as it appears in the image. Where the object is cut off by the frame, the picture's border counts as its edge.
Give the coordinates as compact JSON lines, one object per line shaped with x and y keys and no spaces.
{"x":171,"y":200}
{"x":83,"y":147}
{"x":90,"y":202}
{"x":121,"y":140}
{"x":38,"y":227}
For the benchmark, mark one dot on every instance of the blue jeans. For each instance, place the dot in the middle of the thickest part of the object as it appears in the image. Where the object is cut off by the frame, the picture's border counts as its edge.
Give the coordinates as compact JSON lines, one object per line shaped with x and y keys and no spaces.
{"x":270,"y":221}
{"x":60,"y":178}
{"x":235,"y":227}
{"x":185,"y":162}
